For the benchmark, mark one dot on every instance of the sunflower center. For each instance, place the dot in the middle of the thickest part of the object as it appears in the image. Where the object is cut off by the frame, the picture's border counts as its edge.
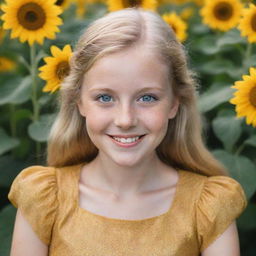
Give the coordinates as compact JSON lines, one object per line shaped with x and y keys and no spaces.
{"x":253,"y":22}
{"x":132,"y":3}
{"x":31,"y":16}
{"x":62,"y":70}
{"x":223,"y":11}
{"x":252,"y":96}
{"x":59,"y":2}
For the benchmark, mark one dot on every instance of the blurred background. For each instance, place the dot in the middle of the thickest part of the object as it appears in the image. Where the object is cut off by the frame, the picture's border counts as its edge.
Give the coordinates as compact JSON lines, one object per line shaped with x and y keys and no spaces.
{"x":36,"y":42}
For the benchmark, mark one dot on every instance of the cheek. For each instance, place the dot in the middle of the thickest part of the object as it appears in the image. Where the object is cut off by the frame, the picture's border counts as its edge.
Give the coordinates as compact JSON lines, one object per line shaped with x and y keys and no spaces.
{"x":155,"y":119}
{"x":96,"y":120}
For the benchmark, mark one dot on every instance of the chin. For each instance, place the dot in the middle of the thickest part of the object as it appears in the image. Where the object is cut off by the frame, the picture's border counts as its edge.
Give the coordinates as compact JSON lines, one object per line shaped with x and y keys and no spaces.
{"x":126,"y":162}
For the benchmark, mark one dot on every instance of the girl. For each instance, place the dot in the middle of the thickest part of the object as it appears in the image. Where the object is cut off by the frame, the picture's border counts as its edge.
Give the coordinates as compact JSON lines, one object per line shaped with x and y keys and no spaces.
{"x":127,"y":174}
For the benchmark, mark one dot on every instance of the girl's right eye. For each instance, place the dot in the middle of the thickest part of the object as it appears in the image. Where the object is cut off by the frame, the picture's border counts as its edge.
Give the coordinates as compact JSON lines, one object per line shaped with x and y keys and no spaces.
{"x":104,"y":97}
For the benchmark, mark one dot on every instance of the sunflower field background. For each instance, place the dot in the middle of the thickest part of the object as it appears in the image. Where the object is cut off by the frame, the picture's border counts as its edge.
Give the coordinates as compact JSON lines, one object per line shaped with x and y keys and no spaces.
{"x":36,"y":41}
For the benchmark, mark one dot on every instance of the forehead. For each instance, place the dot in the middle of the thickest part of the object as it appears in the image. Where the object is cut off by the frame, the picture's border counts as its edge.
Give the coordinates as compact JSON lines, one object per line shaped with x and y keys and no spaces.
{"x":130,"y":68}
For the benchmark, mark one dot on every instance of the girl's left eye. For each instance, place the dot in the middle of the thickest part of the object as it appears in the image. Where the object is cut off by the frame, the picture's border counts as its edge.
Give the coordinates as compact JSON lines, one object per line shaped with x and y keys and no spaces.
{"x":148,"y":98}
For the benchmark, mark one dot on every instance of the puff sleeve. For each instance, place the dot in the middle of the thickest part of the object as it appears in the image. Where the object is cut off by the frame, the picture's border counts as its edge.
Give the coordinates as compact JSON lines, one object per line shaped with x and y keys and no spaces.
{"x":34,"y":192}
{"x":221,"y":201}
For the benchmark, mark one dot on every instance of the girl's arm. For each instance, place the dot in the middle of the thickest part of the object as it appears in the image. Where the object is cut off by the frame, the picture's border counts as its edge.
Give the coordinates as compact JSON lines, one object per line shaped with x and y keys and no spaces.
{"x":227,"y":244}
{"x":25,"y":242}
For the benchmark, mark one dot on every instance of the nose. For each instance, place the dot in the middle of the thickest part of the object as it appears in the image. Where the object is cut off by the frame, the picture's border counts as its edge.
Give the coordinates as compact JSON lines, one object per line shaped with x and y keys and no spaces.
{"x":125,"y":117}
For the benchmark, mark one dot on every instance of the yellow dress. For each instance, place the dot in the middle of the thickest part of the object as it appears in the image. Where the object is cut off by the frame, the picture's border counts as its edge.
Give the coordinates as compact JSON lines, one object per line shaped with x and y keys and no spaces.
{"x":203,"y":207}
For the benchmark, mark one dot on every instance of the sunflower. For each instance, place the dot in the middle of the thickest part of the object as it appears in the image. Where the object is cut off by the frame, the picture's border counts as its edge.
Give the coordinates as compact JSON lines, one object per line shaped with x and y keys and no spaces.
{"x":178,"y":2}
{"x":63,"y":3}
{"x":247,"y":24}
{"x":6,"y":64}
{"x":56,"y":68}
{"x":221,"y":14}
{"x":115,"y":5}
{"x":245,"y":97}
{"x":186,"y":13}
{"x":177,"y":24}
{"x":199,"y":2}
{"x":80,"y":7}
{"x":31,"y":20}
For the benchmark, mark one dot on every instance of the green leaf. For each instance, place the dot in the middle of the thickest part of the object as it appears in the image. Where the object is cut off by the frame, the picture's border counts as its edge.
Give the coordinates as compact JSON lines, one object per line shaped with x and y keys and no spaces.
{"x":199,"y":29}
{"x":241,"y":169}
{"x":46,"y":98}
{"x":9,"y":168}
{"x":208,"y":45}
{"x":215,"y":96}
{"x":249,"y":62}
{"x":251,"y":141}
{"x":16,"y":90}
{"x":227,"y":128}
{"x":21,"y":114}
{"x":7,"y":219}
{"x":39,"y":130}
{"x":218,"y":66}
{"x":247,"y":220}
{"x":230,"y":38}
{"x":24,"y":148}
{"x":7,"y":143}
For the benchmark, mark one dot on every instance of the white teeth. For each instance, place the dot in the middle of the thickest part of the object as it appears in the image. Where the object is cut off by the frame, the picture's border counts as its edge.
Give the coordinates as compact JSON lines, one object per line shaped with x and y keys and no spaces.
{"x":128,"y":140}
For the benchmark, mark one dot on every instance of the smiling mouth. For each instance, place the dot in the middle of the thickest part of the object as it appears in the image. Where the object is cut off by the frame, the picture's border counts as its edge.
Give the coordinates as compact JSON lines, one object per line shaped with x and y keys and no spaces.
{"x":127,"y":142}
{"x":138,"y":136}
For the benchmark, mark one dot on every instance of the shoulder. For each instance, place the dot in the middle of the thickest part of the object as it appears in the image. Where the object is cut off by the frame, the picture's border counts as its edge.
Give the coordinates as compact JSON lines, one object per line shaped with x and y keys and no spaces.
{"x":222,"y":191}
{"x":219,"y":201}
{"x":215,"y":188}
{"x":34,"y":192}
{"x":31,"y":181}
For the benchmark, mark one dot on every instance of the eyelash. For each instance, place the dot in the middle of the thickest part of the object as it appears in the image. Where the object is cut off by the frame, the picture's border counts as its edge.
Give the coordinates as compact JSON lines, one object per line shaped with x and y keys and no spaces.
{"x":101,"y":95}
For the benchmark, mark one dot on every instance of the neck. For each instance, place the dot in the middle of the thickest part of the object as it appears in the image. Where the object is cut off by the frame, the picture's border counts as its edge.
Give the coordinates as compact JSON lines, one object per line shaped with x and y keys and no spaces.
{"x":124,"y":181}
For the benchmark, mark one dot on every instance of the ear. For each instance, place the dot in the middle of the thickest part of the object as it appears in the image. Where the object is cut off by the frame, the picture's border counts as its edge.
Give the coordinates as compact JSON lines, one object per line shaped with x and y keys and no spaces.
{"x":174,"y":108}
{"x":81,"y":108}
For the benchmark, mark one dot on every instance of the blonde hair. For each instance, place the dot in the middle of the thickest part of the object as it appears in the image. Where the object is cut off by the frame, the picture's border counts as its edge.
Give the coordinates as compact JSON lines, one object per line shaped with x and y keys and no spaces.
{"x":183,"y":146}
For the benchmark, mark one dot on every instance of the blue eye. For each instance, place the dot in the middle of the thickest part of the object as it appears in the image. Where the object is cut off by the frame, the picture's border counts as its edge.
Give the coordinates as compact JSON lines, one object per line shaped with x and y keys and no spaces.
{"x":148,"y":98}
{"x":105,"y":97}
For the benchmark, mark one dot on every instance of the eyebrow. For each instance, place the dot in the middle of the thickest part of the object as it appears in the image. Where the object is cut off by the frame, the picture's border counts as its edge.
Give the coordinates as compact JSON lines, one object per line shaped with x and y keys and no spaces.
{"x":142,"y":90}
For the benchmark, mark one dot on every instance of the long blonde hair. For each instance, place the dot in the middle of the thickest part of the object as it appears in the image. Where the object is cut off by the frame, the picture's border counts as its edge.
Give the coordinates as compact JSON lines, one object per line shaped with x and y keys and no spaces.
{"x":183,"y":146}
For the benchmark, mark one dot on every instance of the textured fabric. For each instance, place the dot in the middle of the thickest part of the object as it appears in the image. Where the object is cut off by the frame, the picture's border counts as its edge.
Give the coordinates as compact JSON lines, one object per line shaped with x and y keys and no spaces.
{"x":202,"y":209}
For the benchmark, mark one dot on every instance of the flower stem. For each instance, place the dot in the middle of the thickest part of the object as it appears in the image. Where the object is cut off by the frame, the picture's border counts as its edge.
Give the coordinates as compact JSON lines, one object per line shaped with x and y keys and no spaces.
{"x":247,"y":55}
{"x":13,"y":126}
{"x":12,"y":120}
{"x":33,"y":72}
{"x":240,"y":149}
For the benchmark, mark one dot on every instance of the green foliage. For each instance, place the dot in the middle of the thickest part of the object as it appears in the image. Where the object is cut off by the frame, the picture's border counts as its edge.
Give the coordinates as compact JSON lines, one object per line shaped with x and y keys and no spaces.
{"x":14,"y":90}
{"x":7,"y":217}
{"x":218,"y":58}
{"x":39,"y":130}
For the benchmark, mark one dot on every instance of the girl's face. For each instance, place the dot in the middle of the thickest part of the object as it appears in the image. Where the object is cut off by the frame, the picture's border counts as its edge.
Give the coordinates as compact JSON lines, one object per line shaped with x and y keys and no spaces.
{"x":127,"y":94}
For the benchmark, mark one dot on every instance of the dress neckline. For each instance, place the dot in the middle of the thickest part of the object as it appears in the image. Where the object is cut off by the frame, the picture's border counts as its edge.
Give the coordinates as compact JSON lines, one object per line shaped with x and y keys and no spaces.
{"x":171,"y":207}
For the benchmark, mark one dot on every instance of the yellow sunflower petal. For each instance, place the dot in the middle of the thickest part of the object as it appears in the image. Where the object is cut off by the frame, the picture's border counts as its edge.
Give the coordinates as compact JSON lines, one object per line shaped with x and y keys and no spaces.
{"x":221,"y":14}
{"x":177,"y":24}
{"x":55,"y":51}
{"x":247,"y":25}
{"x":32,"y":16}
{"x":115,"y":5}
{"x":6,"y":64}
{"x":245,"y":97}
{"x":56,"y":68}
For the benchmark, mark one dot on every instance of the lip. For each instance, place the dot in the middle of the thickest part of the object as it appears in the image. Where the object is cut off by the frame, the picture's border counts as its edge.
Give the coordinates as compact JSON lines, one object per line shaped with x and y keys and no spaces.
{"x":127,"y":145}
{"x":126,"y":136}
